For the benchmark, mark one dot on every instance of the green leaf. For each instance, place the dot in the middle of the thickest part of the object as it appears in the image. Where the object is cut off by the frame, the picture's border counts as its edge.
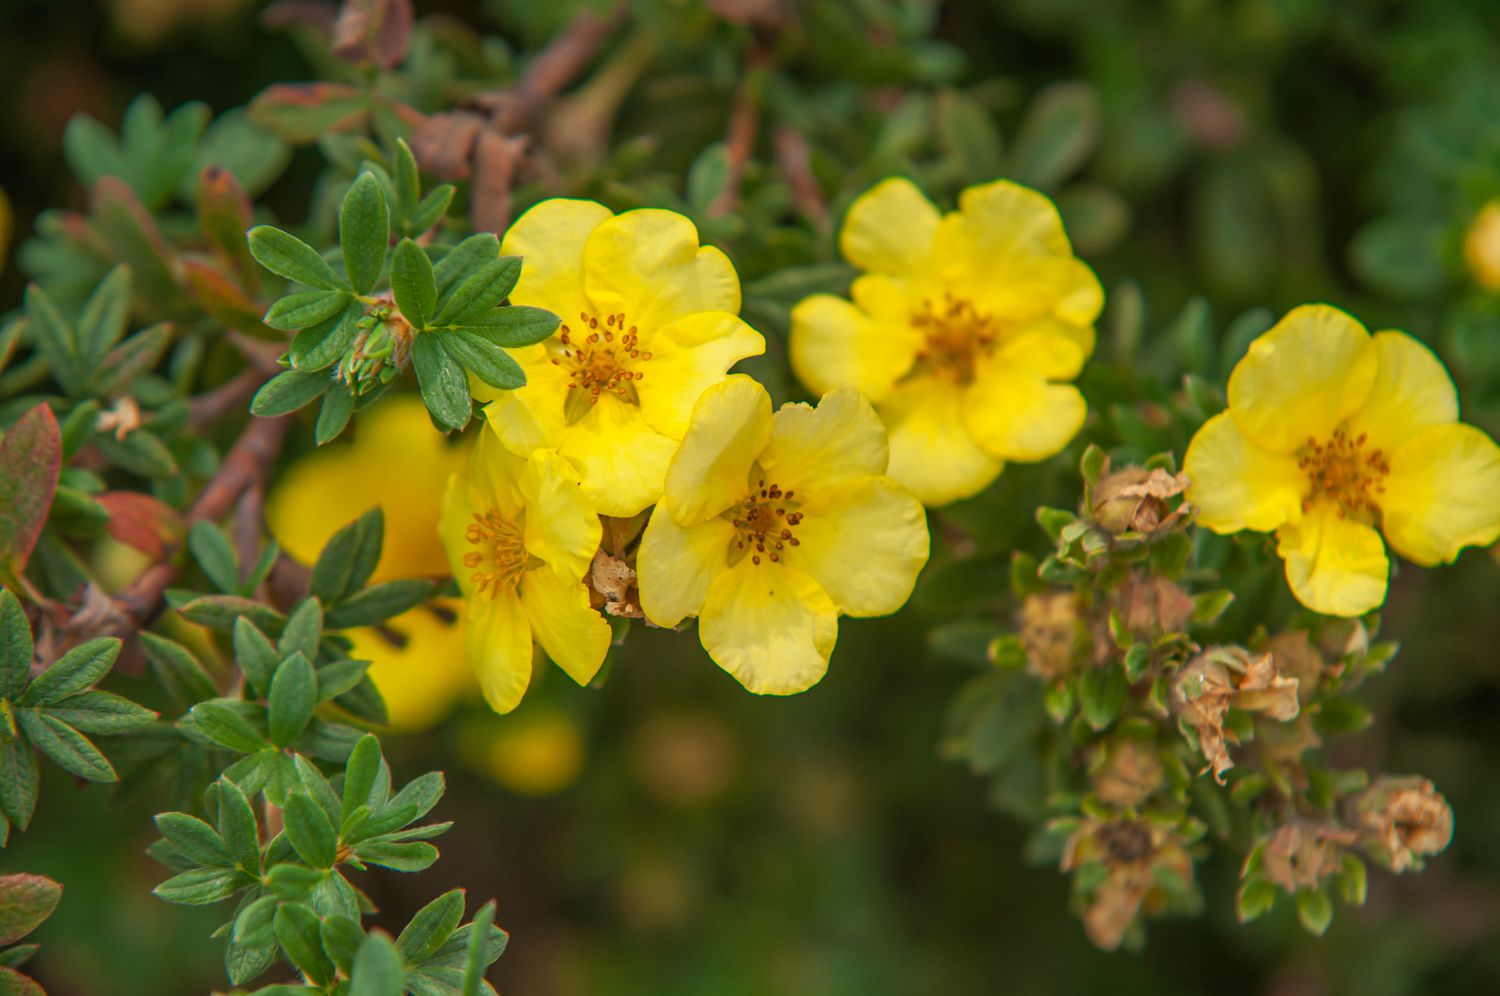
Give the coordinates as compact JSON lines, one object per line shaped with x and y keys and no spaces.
{"x":15,"y":646}
{"x":341,"y":939}
{"x":237,"y":827}
{"x":413,"y":283}
{"x":1101,"y":694}
{"x":199,"y":887}
{"x":969,"y":135}
{"x":431,"y":927}
{"x":308,"y":829}
{"x":484,"y":359}
{"x":429,"y":210}
{"x":377,"y":968}
{"x":255,"y":655}
{"x":30,"y":461}
{"x":289,"y":391}
{"x":294,"y":695}
{"x":177,"y":670}
{"x":18,"y":781}
{"x":215,"y":554}
{"x":515,"y":325}
{"x":102,"y":712}
{"x":383,"y":601}
{"x":73,"y":751}
{"x":360,"y":774}
{"x":252,"y":926}
{"x":468,"y":254}
{"x":349,"y":557}
{"x":477,"y":959}
{"x":73,"y":672}
{"x":304,"y":627}
{"x":445,"y":386}
{"x":288,"y":256}
{"x":219,"y":612}
{"x":320,"y":346}
{"x":1315,"y":910}
{"x":364,"y":231}
{"x":25,"y":902}
{"x":338,"y":405}
{"x":408,"y":183}
{"x":290,"y":881}
{"x":1058,"y":133}
{"x":243,"y":963}
{"x":55,"y":340}
{"x":224,"y":726}
{"x":480,"y":292}
{"x":413,"y":856}
{"x":339,"y":677}
{"x":296,"y":928}
{"x":103,"y":320}
{"x":194,"y":838}
{"x":308,"y":308}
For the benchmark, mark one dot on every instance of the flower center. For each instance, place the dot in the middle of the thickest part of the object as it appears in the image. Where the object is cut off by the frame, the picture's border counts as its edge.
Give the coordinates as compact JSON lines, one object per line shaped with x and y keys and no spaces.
{"x":1345,"y":472}
{"x":601,"y":358}
{"x":957,"y":337}
{"x":499,"y":557}
{"x":764,"y":524}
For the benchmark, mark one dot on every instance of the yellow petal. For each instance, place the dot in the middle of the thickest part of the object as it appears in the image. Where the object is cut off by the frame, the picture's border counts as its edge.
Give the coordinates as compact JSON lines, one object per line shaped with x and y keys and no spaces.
{"x":498,"y":638}
{"x":687,"y":357}
{"x":561,"y":527}
{"x":422,"y":673}
{"x":833,"y":342}
{"x":1005,"y":249}
{"x":1411,"y":392}
{"x":1311,"y":371}
{"x":769,"y":625}
{"x":814,"y":449}
{"x":889,"y":228}
{"x":517,"y":425}
{"x":1082,"y":300}
{"x":1443,"y":494}
{"x":710,"y":472}
{"x":648,"y":265}
{"x":621,"y":460}
{"x":495,"y":472}
{"x":1236,"y":485}
{"x":574,"y":635}
{"x":932,"y":454}
{"x":864,"y":541}
{"x":676,"y":564}
{"x":1335,"y":565}
{"x":550,"y":240}
{"x":1013,"y":411}
{"x":457,"y":512}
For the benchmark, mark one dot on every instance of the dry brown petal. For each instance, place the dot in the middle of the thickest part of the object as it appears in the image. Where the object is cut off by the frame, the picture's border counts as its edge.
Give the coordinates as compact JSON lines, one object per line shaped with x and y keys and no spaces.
{"x":1131,"y":772}
{"x":1303,"y":855}
{"x":1135,"y":500}
{"x":1049,"y":629}
{"x":1297,"y":659}
{"x":1405,"y":818}
{"x":123,"y":419}
{"x":614,"y":582}
{"x":1151,"y":605}
{"x":1220,"y":677}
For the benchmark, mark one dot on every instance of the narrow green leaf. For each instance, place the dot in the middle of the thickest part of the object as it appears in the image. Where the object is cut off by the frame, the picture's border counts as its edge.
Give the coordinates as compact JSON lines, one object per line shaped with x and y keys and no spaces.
{"x":214,"y":552}
{"x":377,"y":969}
{"x":177,"y":670}
{"x":468,"y":254}
{"x":304,"y":627}
{"x":341,"y":939}
{"x":338,"y":405}
{"x":299,"y":311}
{"x":364,"y":231}
{"x":430,"y":210}
{"x":15,"y":646}
{"x":30,"y":461}
{"x":255,"y":655}
{"x":289,"y":391}
{"x":1059,"y":131}
{"x":294,"y":695}
{"x":18,"y":781}
{"x":199,"y":887}
{"x":480,"y":292}
{"x":55,"y":340}
{"x":296,"y":928}
{"x":485,"y":360}
{"x":242,"y":963}
{"x":252,"y":927}
{"x":237,"y":827}
{"x":102,"y":712}
{"x":515,"y":325}
{"x":431,"y":927}
{"x":360,"y":773}
{"x":224,"y":726}
{"x":220,"y":612}
{"x":288,"y":256}
{"x":413,"y":283}
{"x":72,"y":751}
{"x":445,"y":386}
{"x":74,"y":671}
{"x":477,"y":959}
{"x":333,"y":574}
{"x":195,"y":839}
{"x":103,"y":320}
{"x":383,"y":601}
{"x":320,"y":346}
{"x":309,"y":831}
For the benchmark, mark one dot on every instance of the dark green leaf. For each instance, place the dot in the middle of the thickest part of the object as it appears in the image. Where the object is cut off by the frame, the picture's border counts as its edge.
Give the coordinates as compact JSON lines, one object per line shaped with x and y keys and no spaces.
{"x":338,"y":405}
{"x":73,"y":672}
{"x":413,"y":283}
{"x":294,"y":694}
{"x":72,"y":751}
{"x":15,"y":646}
{"x":320,"y":346}
{"x":255,"y":655}
{"x":219,"y":612}
{"x":304,"y":627}
{"x":288,"y":256}
{"x":445,"y":386}
{"x":364,"y":231}
{"x":177,"y":670}
{"x":299,"y":311}
{"x":515,"y":326}
{"x":243,"y":963}
{"x":30,"y":460}
{"x":337,"y":678}
{"x":467,"y":255}
{"x":131,"y":358}
{"x":377,"y":968}
{"x":104,"y":317}
{"x":480,"y":292}
{"x":478,"y":957}
{"x":18,"y":781}
{"x":382,"y":602}
{"x":296,"y":928}
{"x":310,"y":831}
{"x":215,"y":554}
{"x":1059,"y":131}
{"x":55,"y":340}
{"x":360,"y":774}
{"x":485,"y":360}
{"x":102,"y":712}
{"x":195,"y":839}
{"x":431,"y":927}
{"x":252,"y":927}
{"x":289,"y":391}
{"x":341,"y":939}
{"x":429,"y":210}
{"x":224,"y":726}
{"x":199,"y":887}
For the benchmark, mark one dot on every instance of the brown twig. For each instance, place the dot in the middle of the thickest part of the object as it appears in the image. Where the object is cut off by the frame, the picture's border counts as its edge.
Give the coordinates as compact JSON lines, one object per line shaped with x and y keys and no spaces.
{"x":792,"y":155}
{"x":744,"y":122}
{"x":207,"y":410}
{"x":244,"y":466}
{"x":555,"y":67}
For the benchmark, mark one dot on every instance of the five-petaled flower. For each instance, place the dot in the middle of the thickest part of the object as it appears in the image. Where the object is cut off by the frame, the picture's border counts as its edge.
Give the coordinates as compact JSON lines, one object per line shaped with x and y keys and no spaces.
{"x":772,"y":525}
{"x":963,"y":331}
{"x":1334,"y":436}
{"x":519,"y":535}
{"x":649,"y":321}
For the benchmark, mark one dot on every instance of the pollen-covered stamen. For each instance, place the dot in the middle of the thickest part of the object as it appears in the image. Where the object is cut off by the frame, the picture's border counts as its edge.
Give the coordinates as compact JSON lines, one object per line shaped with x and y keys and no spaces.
{"x":601,"y":357}
{"x":500,"y":556}
{"x":1345,"y":471}
{"x":765,"y":523}
{"x":957,"y":337}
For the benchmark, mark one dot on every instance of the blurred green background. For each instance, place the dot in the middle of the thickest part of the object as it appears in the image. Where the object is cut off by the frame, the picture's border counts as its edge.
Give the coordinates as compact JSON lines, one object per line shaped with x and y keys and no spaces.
{"x":670,"y":833}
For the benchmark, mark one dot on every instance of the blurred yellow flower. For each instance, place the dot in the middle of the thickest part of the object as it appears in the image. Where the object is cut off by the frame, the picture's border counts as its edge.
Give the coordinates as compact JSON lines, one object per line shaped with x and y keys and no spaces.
{"x":537,"y":751}
{"x":1334,"y":436}
{"x":962,"y":331}
{"x":1482,"y":246}
{"x":649,"y":321}
{"x":520,"y":536}
{"x":772,"y":525}
{"x":401,"y":463}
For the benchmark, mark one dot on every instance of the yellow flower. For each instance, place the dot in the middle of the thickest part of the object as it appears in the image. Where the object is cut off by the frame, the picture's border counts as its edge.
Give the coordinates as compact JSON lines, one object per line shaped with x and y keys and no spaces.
{"x":772,"y":525}
{"x":537,"y":751}
{"x":1482,"y":246}
{"x":1334,"y":436}
{"x":422,"y":677}
{"x":520,"y":536}
{"x":649,"y":322}
{"x":961,"y":331}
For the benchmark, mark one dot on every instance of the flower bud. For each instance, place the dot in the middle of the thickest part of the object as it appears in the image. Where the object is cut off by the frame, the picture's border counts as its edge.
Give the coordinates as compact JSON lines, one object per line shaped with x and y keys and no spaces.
{"x":1129,"y":772}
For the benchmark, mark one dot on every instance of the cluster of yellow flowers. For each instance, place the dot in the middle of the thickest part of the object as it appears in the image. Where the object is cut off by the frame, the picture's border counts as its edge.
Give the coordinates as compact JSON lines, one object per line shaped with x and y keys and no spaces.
{"x":953,"y":356}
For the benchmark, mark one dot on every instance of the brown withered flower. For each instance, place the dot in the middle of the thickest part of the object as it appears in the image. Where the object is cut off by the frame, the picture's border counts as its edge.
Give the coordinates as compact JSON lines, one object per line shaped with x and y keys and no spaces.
{"x":1220,"y":677}
{"x":612,"y":587}
{"x":1135,"y":500}
{"x":1129,"y":851}
{"x":1296,"y":657}
{"x":1049,"y":625}
{"x":1304,"y":855}
{"x":1126,"y":772}
{"x":1403,"y":819}
{"x":1150,"y":604}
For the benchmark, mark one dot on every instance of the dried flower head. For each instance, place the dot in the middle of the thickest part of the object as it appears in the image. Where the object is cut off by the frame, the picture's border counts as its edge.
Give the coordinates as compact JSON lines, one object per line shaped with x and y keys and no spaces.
{"x":1304,"y":855}
{"x":1136,"y":500}
{"x":1151,"y":605}
{"x":1205,"y":688}
{"x":1128,"y":771}
{"x":1295,"y":657}
{"x":1403,"y":819}
{"x":1131,"y":852}
{"x":1049,"y":625}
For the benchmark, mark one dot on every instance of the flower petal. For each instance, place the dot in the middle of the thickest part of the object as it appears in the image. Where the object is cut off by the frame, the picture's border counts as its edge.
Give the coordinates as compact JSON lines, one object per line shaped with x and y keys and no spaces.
{"x":518,"y":426}
{"x":932,"y":453}
{"x":687,"y":357}
{"x":770,"y":626}
{"x":498,"y":639}
{"x":561,"y":527}
{"x":648,"y":265}
{"x":1307,"y":374}
{"x":889,"y":228}
{"x":421,"y":675}
{"x":730,"y":428}
{"x":1013,"y":411}
{"x":815,"y":448}
{"x":1443,"y":494}
{"x":864,"y":541}
{"x":1006,"y":249}
{"x":550,"y":239}
{"x":1082,"y":300}
{"x":1412,"y":391}
{"x":1236,"y":485}
{"x":833,"y":342}
{"x":676,"y":564}
{"x":621,"y":460}
{"x":574,"y":635}
{"x":1335,"y":565}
